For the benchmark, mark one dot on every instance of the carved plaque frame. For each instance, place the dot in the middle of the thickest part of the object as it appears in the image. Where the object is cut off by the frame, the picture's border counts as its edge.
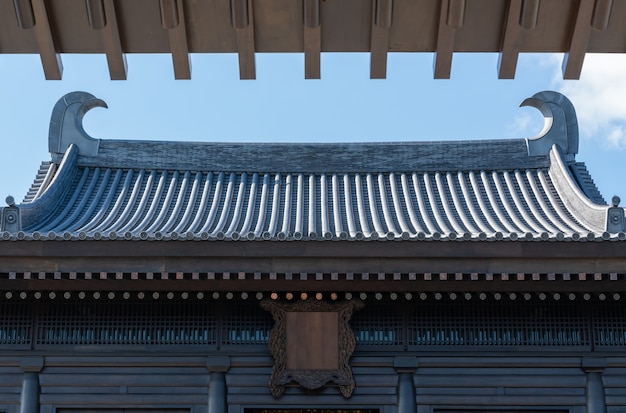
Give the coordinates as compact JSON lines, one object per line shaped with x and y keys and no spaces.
{"x":311,"y":378}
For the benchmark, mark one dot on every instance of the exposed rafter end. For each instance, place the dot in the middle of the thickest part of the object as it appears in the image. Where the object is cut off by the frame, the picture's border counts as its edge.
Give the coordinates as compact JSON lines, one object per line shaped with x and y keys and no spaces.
{"x":173,"y":20}
{"x":529,"y":13}
{"x":573,"y":60}
{"x":50,"y":59}
{"x":446,"y":35}
{"x":116,"y":59}
{"x":382,"y":11}
{"x":243,"y":22}
{"x":507,"y":61}
{"x":312,"y":39}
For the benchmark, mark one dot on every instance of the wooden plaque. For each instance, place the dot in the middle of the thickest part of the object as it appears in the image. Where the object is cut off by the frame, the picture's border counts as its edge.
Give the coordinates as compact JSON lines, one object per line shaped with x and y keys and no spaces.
{"x":311,"y":343}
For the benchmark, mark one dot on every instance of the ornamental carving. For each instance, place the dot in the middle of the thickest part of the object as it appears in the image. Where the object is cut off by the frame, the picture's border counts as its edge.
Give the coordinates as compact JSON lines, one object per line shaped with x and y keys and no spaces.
{"x":311,"y":343}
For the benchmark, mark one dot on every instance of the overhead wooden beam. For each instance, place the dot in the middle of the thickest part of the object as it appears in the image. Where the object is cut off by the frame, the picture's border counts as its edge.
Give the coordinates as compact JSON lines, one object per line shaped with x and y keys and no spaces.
{"x":312,"y":39}
{"x":173,"y":19}
{"x":602,"y":14}
{"x":24,"y":14}
{"x":243,"y":22}
{"x":451,"y":16}
{"x":574,"y":57}
{"x":50,"y":59}
{"x":529,"y":14}
{"x":382,"y":11}
{"x":507,"y":61}
{"x":103,"y":17}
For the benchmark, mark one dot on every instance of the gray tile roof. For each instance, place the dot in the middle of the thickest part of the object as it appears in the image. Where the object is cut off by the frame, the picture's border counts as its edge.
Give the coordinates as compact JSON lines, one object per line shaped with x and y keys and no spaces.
{"x":480,"y":190}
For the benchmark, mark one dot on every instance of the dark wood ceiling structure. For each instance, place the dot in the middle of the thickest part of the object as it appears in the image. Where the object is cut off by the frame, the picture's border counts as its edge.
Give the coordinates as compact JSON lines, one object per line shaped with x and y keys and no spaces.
{"x":180,"y":27}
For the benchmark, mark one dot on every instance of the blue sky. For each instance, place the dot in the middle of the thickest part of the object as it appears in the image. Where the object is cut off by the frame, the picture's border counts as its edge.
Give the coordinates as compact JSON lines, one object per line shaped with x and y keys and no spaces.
{"x":345,"y":105}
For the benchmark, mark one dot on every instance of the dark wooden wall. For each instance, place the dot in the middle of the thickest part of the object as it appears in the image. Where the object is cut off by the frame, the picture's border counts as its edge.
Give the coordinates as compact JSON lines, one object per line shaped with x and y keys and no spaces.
{"x":108,"y":379}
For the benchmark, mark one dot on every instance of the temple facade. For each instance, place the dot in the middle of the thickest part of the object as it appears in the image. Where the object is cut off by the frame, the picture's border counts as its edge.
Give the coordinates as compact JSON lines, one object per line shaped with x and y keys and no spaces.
{"x":426,"y":277}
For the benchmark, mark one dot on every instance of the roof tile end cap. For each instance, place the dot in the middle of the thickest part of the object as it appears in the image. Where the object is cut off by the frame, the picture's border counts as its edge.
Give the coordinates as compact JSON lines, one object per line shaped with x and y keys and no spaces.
{"x":560,"y":124}
{"x":66,"y":124}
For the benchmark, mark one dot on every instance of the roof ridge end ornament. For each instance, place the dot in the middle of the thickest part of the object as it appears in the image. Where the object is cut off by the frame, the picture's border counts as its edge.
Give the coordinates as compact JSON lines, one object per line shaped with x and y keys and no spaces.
{"x":66,"y":124}
{"x":560,"y":124}
{"x":10,"y":216}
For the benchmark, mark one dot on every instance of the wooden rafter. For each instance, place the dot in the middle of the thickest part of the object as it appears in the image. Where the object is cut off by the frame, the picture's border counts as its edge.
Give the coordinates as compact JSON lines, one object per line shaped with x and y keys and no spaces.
{"x":507,"y":62}
{"x":243,"y":21}
{"x":574,"y":57}
{"x":50,"y":59}
{"x":173,"y":20}
{"x":113,"y":43}
{"x":571,"y":27}
{"x":446,"y":35}
{"x":379,"y":41}
{"x":312,"y":39}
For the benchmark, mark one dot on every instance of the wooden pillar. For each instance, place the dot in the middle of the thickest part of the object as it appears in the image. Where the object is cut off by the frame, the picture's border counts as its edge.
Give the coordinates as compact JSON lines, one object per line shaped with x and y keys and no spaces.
{"x":29,"y":400}
{"x":218,"y":366}
{"x":406,"y":366}
{"x":593,"y":368}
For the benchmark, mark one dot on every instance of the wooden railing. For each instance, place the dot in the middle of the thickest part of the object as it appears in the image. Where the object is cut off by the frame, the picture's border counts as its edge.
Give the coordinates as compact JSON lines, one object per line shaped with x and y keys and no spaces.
{"x":381,"y":325}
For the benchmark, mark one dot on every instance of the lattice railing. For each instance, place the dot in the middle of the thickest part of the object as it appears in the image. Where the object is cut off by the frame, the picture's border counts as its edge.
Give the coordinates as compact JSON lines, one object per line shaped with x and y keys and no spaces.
{"x":495,"y":324}
{"x":16,"y":323}
{"x":245,"y":324}
{"x":380,"y":325}
{"x":609,"y":325}
{"x":127,"y":323}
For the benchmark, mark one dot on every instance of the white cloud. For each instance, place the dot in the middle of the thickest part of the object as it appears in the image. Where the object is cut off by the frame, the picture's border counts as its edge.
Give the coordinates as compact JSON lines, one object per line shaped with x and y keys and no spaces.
{"x":599,"y":98}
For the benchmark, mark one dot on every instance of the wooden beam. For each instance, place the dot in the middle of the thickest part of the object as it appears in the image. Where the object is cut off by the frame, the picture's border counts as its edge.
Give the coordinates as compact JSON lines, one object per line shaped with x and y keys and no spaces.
{"x":173,"y":18}
{"x":445,"y":43}
{"x":113,"y":43}
{"x":379,"y":41}
{"x":50,"y":59}
{"x":507,"y":61}
{"x":574,"y":57}
{"x":243,"y":22}
{"x":529,"y":14}
{"x":312,"y":39}
{"x":602,"y":14}
{"x":24,"y":14}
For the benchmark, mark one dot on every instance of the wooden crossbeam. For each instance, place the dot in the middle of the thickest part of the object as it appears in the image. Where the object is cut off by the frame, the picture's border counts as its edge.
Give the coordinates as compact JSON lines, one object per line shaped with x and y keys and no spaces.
{"x":312,"y":39}
{"x":445,"y":42}
{"x":113,"y":43}
{"x":243,"y":22}
{"x":507,"y":61}
{"x":529,"y":14}
{"x":574,"y":57}
{"x":50,"y":59}
{"x":602,"y":14}
{"x":379,"y":41}
{"x":173,"y":14}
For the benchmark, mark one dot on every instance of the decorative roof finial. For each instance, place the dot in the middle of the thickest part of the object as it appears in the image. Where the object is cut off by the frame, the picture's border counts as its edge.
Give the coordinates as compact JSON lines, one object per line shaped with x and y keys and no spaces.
{"x":10,"y":216}
{"x":560,"y":124}
{"x":615,"y":201}
{"x":66,"y":124}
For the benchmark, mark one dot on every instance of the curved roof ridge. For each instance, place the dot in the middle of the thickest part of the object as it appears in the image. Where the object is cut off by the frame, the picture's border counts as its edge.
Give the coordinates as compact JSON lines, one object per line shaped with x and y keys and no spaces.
{"x":574,"y":199}
{"x":49,"y":196}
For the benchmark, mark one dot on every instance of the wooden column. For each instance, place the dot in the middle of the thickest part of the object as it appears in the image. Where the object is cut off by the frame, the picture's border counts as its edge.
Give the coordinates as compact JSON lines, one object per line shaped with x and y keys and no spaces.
{"x":29,"y":400}
{"x":406,"y":366}
{"x":595,"y":387}
{"x":218,"y":366}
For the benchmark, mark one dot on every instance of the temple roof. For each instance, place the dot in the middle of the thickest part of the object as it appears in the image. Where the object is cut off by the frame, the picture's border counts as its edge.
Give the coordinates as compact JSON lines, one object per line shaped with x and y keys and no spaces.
{"x":515,"y":189}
